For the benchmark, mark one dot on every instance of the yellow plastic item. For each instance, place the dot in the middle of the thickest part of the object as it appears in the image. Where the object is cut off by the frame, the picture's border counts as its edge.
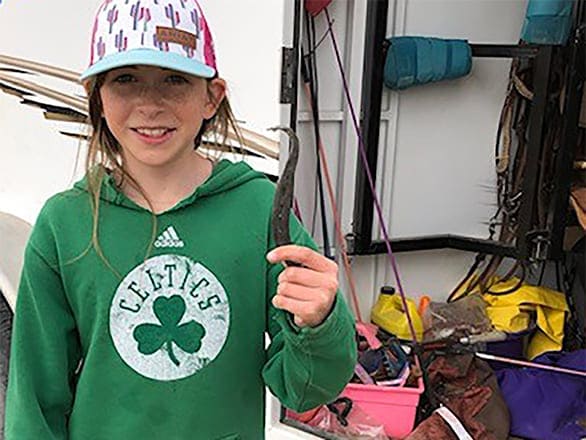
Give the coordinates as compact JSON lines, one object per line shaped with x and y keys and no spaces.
{"x":512,"y":312}
{"x":389,"y":315}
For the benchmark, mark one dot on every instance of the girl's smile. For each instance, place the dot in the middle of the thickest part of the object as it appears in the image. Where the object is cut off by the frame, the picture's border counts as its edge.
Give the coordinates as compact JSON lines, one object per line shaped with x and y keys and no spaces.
{"x":154,"y":135}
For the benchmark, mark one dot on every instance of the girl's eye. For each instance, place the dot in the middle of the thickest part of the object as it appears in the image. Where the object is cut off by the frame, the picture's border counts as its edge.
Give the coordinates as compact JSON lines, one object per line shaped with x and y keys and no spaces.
{"x":176,"y":79}
{"x":124,"y":78}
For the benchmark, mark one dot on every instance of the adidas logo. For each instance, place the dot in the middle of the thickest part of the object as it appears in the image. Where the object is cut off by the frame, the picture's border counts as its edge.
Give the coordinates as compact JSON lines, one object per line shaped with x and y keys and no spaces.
{"x":169,"y":238}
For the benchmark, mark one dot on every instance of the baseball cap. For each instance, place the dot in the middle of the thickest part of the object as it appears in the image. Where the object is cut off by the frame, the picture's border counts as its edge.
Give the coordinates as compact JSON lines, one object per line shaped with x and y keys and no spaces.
{"x":172,"y":34}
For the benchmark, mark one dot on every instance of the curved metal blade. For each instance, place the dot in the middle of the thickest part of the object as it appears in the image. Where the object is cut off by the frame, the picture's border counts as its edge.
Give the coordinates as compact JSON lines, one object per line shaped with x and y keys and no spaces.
{"x":283,"y":200}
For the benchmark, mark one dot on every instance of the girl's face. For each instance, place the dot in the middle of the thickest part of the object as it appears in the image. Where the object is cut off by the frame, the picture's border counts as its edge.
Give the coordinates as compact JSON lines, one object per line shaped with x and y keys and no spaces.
{"x":155,"y":114}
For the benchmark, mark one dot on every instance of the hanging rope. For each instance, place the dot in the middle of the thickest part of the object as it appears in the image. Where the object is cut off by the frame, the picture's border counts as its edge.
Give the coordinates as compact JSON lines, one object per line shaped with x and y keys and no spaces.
{"x":362,"y":151}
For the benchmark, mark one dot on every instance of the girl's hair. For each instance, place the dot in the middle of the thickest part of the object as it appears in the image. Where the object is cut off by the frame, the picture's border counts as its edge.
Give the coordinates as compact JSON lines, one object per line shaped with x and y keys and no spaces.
{"x":104,"y":153}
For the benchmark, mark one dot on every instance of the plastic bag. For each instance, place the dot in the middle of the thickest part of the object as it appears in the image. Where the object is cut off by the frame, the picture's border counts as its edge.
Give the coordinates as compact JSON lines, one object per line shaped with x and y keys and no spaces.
{"x":347,"y":421}
{"x":467,"y":316}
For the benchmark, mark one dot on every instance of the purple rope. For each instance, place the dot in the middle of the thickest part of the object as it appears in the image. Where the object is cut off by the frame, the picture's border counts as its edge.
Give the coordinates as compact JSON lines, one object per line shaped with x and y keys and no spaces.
{"x":362,"y":150}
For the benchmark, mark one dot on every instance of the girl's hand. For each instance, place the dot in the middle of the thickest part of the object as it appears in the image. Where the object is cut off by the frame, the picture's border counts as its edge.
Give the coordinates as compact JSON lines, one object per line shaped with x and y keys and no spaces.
{"x":307,"y":292}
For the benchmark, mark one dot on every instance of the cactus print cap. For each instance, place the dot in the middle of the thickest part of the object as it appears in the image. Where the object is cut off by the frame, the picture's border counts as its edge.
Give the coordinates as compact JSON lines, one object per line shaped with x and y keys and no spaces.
{"x":166,"y":33}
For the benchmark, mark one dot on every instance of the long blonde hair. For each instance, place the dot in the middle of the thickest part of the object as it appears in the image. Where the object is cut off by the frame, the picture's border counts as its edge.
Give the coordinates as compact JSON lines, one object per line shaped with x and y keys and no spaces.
{"x":104,"y":153}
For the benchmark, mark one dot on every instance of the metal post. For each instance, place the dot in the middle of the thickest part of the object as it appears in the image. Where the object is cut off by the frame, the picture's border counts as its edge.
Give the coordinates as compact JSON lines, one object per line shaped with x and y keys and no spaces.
{"x":558,"y":208}
{"x":372,"y":89}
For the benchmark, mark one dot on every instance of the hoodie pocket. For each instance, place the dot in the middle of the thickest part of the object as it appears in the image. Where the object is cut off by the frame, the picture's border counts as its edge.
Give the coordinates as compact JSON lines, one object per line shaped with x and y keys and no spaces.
{"x":230,"y":437}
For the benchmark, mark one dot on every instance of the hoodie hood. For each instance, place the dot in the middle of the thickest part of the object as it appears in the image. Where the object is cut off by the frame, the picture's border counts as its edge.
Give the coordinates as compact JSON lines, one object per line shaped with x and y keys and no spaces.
{"x":225,"y":176}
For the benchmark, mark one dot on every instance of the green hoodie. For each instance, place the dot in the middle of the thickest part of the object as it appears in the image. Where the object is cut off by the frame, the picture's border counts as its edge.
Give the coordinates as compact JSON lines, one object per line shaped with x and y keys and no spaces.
{"x":167,"y":339}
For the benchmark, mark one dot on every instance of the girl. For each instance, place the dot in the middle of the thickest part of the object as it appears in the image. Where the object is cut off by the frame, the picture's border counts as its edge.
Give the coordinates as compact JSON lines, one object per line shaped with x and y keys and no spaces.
{"x":147,"y":288}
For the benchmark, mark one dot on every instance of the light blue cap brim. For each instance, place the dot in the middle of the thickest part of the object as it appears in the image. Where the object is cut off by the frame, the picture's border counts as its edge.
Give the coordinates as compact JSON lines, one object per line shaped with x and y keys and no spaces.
{"x":150,"y":57}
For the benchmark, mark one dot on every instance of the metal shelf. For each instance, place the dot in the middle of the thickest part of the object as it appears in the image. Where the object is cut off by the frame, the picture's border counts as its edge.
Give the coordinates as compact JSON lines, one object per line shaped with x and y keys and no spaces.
{"x":529,"y":243}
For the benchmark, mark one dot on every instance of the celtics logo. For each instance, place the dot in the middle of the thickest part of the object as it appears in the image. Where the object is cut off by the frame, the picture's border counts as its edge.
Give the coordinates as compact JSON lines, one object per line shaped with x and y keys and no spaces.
{"x":169,"y":317}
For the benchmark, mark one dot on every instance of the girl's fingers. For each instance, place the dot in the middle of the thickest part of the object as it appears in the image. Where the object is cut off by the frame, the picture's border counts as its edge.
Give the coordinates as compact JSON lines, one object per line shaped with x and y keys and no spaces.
{"x":309,"y":278}
{"x":301,"y":293}
{"x":304,"y":256}
{"x":303,"y":311}
{"x":307,"y":292}
{"x":293,"y":305}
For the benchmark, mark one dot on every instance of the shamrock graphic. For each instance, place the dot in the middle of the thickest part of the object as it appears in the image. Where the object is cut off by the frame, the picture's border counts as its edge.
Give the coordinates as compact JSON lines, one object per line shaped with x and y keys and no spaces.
{"x":169,"y":311}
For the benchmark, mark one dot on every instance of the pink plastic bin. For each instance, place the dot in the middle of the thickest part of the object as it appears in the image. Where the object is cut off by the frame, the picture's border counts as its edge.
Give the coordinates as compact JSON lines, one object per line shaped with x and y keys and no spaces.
{"x":394,"y":407}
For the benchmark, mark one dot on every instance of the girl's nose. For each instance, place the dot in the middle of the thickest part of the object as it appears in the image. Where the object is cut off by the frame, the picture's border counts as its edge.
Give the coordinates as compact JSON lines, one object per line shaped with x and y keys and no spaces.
{"x":151,"y":93}
{"x":150,"y":100}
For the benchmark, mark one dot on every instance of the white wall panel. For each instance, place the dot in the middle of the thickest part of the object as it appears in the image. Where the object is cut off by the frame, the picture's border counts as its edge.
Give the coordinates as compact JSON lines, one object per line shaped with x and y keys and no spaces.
{"x":438,"y":148}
